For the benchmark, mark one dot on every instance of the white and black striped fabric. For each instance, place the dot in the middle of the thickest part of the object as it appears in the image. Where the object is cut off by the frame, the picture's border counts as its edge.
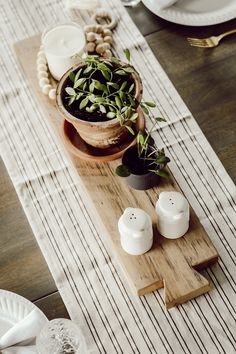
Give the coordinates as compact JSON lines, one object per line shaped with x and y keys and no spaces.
{"x":89,"y":279}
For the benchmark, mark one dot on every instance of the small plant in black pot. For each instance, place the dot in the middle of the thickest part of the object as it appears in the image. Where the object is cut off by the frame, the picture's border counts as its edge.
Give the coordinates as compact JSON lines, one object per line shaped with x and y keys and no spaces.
{"x":143,"y":164}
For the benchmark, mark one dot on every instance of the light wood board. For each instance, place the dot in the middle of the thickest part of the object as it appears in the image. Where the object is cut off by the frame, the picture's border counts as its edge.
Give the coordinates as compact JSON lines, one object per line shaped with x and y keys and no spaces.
{"x":172,"y":264}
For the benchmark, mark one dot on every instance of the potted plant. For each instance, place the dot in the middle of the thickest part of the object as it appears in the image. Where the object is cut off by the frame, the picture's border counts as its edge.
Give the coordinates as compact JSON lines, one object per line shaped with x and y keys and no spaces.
{"x":143,"y":164}
{"x":101,"y":98}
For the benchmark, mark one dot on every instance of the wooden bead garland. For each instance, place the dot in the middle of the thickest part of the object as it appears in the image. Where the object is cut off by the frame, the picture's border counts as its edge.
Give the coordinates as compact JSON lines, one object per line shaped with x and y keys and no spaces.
{"x":43,"y":77}
{"x":105,"y":15}
{"x":99,"y":40}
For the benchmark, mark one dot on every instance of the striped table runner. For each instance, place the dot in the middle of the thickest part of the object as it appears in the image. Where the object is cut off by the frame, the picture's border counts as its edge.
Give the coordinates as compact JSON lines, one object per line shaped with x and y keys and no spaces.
{"x":88,"y":277}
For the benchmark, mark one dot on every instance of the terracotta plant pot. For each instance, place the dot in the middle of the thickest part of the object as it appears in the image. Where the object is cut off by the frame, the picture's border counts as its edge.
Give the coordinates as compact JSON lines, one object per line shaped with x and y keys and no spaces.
{"x":103,"y":134}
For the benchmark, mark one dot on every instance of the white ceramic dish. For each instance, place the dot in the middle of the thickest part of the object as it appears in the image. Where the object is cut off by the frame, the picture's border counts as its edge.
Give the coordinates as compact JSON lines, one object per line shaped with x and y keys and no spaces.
{"x":196,"y":12}
{"x":13,"y":308}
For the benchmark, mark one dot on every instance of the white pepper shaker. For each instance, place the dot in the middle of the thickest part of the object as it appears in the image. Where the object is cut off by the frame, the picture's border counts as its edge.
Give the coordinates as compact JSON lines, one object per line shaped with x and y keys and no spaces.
{"x":135,"y":227}
{"x":173,"y":214}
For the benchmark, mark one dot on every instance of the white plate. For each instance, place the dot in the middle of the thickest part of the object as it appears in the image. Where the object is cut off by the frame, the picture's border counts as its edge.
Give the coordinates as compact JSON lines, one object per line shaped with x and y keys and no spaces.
{"x":196,"y":12}
{"x":13,"y":308}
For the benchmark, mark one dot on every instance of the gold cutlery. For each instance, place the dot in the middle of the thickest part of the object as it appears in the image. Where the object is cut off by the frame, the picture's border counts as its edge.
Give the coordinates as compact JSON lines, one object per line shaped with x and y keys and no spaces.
{"x":209,"y":42}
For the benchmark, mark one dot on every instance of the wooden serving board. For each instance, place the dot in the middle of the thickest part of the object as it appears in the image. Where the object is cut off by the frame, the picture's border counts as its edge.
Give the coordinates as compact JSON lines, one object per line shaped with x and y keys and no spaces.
{"x":172,"y":264}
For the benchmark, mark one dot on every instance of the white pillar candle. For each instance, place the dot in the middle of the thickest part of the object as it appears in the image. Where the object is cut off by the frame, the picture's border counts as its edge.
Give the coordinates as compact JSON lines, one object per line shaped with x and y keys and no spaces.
{"x":173,"y":214}
{"x":63,"y":45}
{"x":135,"y":227}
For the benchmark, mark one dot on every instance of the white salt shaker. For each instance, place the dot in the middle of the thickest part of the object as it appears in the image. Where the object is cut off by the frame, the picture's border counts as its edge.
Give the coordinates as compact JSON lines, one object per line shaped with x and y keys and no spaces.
{"x":173,"y":214}
{"x":135,"y":227}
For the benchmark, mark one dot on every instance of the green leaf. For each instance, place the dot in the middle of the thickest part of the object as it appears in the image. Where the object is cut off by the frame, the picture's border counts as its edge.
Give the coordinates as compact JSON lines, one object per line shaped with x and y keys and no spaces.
{"x":91,"y":98}
{"x":88,"y":70}
{"x":115,"y":60}
{"x":83,"y":103}
{"x":100,"y":86}
{"x":123,"y":85}
{"x":107,"y":62}
{"x":70,"y":91}
{"x":129,"y":69}
{"x":150,"y":104}
{"x":99,"y":100}
{"x":118,"y":102}
{"x":106,"y":74}
{"x":134,"y":117}
{"x":71,"y":100}
{"x":102,"y":108}
{"x":122,"y":95}
{"x":161,"y":173}
{"x":113,"y":84}
{"x":128,"y":112}
{"x":77,"y":75}
{"x":127,"y":54}
{"x":122,"y":171}
{"x":91,"y":86}
{"x":131,"y":88}
{"x":84,"y":86}
{"x":131,"y":100}
{"x":79,"y":82}
{"x":103,"y":67}
{"x":160,"y":119}
{"x":72,"y":76}
{"x":120,"y":72}
{"x":111,"y":115}
{"x":162,"y":160}
{"x":93,"y":107}
{"x":140,"y":138}
{"x":79,"y":95}
{"x":146,"y":111}
{"x":120,"y":117}
{"x":130,"y":129}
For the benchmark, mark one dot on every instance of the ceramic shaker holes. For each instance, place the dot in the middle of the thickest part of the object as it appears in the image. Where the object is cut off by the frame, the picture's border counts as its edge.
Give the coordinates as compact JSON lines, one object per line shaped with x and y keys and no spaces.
{"x":135,"y":227}
{"x":43,"y":78}
{"x":173,"y":214}
{"x":99,"y":40}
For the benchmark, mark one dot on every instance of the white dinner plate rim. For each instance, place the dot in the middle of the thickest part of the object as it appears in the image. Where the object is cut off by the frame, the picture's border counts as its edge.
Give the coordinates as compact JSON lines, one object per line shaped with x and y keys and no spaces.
{"x":175,"y":15}
{"x":14,"y":307}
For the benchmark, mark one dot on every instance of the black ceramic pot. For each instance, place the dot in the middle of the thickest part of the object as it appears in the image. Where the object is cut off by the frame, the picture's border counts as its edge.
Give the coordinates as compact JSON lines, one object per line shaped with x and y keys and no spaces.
{"x":140,"y":178}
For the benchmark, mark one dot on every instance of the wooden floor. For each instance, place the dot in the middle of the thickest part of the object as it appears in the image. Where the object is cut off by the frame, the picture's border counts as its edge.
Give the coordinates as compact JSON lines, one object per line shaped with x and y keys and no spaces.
{"x":206,"y":81}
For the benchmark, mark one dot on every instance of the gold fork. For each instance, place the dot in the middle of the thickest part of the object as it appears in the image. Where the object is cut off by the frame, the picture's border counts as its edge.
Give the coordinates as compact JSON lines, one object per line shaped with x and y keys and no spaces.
{"x":209,"y":42}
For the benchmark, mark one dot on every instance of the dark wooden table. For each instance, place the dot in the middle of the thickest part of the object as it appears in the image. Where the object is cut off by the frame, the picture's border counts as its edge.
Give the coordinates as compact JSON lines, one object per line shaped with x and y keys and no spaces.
{"x":206,"y":80}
